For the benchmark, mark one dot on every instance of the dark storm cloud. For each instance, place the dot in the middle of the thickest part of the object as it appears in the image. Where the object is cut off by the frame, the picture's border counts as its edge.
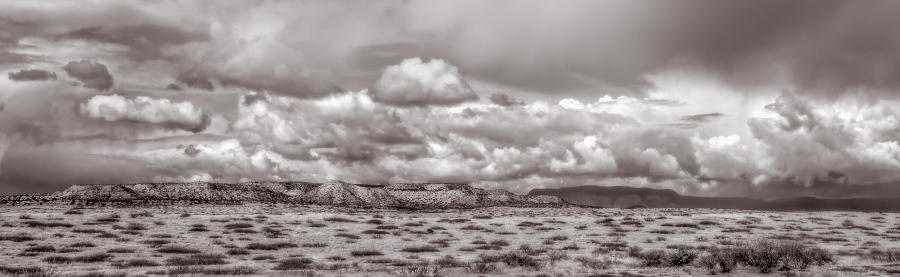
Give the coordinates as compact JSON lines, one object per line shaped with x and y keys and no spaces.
{"x":92,"y":74}
{"x":195,"y":80}
{"x":144,"y":42}
{"x":706,"y":117}
{"x":505,"y":100}
{"x":32,"y":75}
{"x":825,"y":46}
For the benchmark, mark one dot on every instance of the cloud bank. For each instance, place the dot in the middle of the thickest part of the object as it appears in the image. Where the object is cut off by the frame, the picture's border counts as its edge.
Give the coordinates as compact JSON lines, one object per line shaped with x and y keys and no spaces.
{"x":142,"y":109}
{"x":765,"y":98}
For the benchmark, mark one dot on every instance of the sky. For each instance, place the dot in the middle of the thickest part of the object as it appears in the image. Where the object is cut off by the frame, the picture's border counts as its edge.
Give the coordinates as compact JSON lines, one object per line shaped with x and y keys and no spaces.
{"x":762,"y":98}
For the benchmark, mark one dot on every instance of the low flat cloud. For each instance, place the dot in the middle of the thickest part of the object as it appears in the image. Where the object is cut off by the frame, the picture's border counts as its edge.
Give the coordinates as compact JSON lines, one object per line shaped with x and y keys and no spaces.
{"x":32,"y":75}
{"x":92,"y":74}
{"x":705,"y":117}
{"x":142,"y":109}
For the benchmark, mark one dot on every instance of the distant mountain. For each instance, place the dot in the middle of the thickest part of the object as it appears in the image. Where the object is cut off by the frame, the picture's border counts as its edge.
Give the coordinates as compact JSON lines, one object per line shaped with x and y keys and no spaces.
{"x":629,"y":197}
{"x":410,"y":196}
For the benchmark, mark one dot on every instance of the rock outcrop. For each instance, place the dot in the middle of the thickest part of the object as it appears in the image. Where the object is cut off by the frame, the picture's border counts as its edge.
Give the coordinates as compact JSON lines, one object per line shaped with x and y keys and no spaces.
{"x":404,"y":196}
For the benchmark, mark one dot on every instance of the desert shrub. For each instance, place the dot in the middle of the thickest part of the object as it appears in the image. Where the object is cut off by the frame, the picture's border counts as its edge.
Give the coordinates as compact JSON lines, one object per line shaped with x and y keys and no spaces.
{"x":141,"y":214}
{"x":765,"y":256}
{"x":35,"y":223}
{"x":558,"y":238}
{"x":240,"y":225}
{"x":338,"y":219}
{"x":197,"y":259}
{"x":448,"y":261}
{"x":687,"y":225}
{"x":336,"y":258}
{"x":90,"y":258}
{"x":198,"y":228}
{"x":270,"y":246}
{"x":375,"y":232}
{"x":421,"y":269}
{"x":529,"y":224}
{"x":892,"y":255}
{"x":365,"y":253}
{"x":237,"y":251}
{"x":40,"y":248}
{"x":418,"y":249}
{"x":592,"y":263}
{"x":514,"y":258}
{"x":345,"y":235}
{"x":375,"y":221}
{"x":31,"y":271}
{"x":120,"y":250}
{"x":718,"y":259}
{"x":155,"y":242}
{"x":660,"y":258}
{"x":82,"y":244}
{"x":294,"y":263}
{"x":263,"y":257}
{"x":557,"y":255}
{"x":235,"y":270}
{"x":571,"y":246}
{"x":482,"y":267}
{"x":454,"y":220}
{"x":500,"y":243}
{"x":177,"y":250}
{"x":387,"y":227}
{"x":108,"y":218}
{"x":73,"y":211}
{"x":135,"y":263}
{"x":244,"y":231}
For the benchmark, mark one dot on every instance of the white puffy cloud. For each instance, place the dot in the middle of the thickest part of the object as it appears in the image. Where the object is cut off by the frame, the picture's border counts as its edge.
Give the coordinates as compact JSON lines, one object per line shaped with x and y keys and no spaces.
{"x":142,"y":109}
{"x":414,"y":82}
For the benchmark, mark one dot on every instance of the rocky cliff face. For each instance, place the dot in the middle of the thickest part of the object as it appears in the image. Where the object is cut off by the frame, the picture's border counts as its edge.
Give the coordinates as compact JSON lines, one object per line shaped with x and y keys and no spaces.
{"x":411,"y":196}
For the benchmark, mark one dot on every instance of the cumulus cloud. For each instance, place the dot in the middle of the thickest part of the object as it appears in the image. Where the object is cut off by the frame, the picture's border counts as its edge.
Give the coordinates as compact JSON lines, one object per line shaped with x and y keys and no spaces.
{"x":807,"y":144}
{"x":92,"y":74}
{"x":414,"y":82}
{"x":195,"y":80}
{"x":31,"y":75}
{"x":142,"y":109}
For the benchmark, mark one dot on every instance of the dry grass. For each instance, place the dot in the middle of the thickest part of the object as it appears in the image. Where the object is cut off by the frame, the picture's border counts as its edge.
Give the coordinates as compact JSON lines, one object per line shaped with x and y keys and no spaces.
{"x":282,"y":241}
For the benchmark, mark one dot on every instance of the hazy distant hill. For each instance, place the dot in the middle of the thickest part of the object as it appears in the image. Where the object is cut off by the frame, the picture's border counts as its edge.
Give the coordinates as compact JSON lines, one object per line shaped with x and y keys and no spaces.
{"x":628,"y":197}
{"x":412,"y":196}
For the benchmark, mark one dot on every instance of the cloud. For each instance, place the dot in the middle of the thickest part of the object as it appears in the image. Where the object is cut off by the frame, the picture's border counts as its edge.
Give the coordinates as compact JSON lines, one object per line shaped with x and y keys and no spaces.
{"x":701,"y":117}
{"x":32,"y":75}
{"x":92,"y":74}
{"x":142,"y":109}
{"x":144,"y":41}
{"x":415,"y":83}
{"x":807,"y":145}
{"x":503,"y":99}
{"x":195,"y":80}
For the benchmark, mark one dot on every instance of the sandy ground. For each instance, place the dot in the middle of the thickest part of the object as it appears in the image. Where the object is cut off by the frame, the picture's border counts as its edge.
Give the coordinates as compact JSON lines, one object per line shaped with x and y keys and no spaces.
{"x":281,"y":240}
